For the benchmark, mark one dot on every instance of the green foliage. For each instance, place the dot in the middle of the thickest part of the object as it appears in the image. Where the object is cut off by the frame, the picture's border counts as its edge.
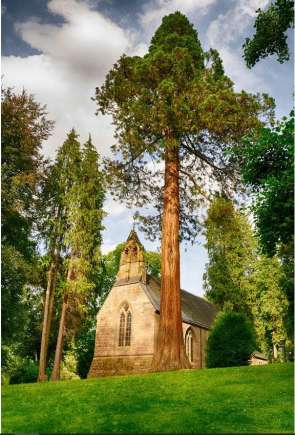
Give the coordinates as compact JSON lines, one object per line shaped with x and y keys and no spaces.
{"x":25,"y":372}
{"x":72,"y":195}
{"x":257,"y":399}
{"x":68,"y":370}
{"x":24,"y":127}
{"x":232,"y":254}
{"x":15,"y":274}
{"x":231,"y":341}
{"x":174,"y":96}
{"x":267,"y":166}
{"x":240,"y":278}
{"x":83,"y":202}
{"x":84,"y":346}
{"x":153,"y":263}
{"x":270,"y":38}
{"x":269,"y":304}
{"x":16,"y":369}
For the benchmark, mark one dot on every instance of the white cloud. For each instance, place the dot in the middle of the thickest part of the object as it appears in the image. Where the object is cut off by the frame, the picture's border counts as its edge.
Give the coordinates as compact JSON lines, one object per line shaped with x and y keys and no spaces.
{"x":227,"y":32}
{"x":74,"y":58}
{"x":227,"y":27}
{"x":155,"y":10}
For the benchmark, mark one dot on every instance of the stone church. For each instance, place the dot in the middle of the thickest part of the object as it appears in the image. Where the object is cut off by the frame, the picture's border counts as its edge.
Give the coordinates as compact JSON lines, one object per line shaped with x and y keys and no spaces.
{"x":127,"y":323}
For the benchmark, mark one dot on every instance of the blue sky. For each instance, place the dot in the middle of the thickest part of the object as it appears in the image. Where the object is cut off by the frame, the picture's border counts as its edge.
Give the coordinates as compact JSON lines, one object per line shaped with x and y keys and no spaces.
{"x":60,"y":50}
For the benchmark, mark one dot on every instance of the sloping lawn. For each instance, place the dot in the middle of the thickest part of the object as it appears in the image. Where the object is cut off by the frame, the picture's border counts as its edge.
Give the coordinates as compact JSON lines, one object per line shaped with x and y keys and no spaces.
{"x":239,"y":399}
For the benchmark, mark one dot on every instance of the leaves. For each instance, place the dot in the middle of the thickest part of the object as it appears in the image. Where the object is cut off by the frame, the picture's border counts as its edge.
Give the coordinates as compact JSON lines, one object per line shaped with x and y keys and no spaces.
{"x":270,"y":37}
{"x":170,"y":96}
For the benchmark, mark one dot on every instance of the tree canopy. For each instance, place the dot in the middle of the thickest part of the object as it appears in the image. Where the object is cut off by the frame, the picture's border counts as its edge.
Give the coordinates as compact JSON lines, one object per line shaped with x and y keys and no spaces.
{"x":174,"y":107}
{"x":270,"y":35}
{"x":25,"y":126}
{"x":176,"y":93}
{"x":239,"y":278}
{"x":267,"y":166}
{"x":232,"y":251}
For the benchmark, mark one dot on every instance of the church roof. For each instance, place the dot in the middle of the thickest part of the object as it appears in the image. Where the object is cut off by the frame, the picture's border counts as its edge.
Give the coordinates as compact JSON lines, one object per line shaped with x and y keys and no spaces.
{"x":195,"y":310}
{"x":259,"y":355}
{"x":133,"y":236}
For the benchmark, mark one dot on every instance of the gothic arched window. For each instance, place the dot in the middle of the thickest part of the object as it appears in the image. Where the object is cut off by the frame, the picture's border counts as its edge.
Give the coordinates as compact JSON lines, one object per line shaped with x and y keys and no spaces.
{"x":125,"y":326}
{"x":189,"y":345}
{"x":128,"y":330}
{"x":122,"y":329}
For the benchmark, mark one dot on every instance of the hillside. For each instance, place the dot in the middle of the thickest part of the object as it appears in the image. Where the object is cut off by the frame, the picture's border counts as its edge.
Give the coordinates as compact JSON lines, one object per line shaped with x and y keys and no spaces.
{"x":239,"y":399}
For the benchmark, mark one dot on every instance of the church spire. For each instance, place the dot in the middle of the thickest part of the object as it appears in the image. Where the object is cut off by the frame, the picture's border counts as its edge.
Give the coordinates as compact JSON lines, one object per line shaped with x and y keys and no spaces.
{"x":132,"y":264}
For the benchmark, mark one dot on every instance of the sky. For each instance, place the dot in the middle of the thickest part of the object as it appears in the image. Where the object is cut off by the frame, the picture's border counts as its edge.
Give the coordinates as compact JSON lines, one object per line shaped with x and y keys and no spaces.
{"x":60,"y":51}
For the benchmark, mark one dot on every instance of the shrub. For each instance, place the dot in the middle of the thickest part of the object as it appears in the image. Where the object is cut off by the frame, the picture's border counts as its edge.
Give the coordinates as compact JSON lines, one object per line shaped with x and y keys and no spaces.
{"x":231,"y":341}
{"x":69,"y":367}
{"x":25,"y":372}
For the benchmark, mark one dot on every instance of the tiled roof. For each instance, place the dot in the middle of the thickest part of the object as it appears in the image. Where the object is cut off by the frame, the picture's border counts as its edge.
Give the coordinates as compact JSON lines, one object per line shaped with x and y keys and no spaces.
{"x":259,"y":355}
{"x":195,"y":310}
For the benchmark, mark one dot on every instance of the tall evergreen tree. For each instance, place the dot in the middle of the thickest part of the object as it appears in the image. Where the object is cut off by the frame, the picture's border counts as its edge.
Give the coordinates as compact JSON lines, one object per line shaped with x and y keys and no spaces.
{"x":232,"y":252}
{"x":83,"y":203}
{"x":173,"y":107}
{"x":53,"y":223}
{"x":239,"y":278}
{"x":269,"y":306}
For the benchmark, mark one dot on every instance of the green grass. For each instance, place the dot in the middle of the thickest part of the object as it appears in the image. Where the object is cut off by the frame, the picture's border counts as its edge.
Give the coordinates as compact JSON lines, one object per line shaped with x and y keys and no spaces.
{"x":238,"y":399}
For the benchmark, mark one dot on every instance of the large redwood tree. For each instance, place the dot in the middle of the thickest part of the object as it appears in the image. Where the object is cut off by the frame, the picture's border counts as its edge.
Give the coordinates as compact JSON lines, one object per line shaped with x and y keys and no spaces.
{"x":176,"y":116}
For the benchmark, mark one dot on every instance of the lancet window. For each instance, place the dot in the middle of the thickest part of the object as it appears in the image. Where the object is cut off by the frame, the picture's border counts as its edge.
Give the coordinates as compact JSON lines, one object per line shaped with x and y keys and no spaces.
{"x":189,"y":345}
{"x":125,"y":326}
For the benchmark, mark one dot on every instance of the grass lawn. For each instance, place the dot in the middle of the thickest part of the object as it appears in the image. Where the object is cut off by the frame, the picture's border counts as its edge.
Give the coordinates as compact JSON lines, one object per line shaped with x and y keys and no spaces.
{"x":238,"y":399}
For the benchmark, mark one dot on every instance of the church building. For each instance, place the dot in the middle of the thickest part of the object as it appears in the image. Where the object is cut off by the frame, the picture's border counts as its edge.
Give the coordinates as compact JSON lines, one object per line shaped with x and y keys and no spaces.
{"x":127,"y":323}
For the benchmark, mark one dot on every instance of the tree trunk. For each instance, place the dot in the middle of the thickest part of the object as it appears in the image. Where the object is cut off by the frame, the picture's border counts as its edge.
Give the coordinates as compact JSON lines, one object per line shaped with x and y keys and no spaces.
{"x":47,"y":317}
{"x":170,"y":353}
{"x":60,"y":340}
{"x":62,"y":329}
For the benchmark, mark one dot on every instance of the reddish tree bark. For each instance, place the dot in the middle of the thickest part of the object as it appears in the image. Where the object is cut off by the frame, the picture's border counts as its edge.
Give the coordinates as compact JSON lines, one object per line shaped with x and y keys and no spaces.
{"x":170,"y":352}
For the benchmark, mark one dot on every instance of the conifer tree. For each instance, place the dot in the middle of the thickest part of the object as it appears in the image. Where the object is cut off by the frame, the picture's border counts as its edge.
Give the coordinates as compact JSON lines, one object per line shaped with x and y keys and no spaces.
{"x":58,"y":182}
{"x":232,"y":252}
{"x":240,"y":278}
{"x":84,"y":215}
{"x":173,"y":107}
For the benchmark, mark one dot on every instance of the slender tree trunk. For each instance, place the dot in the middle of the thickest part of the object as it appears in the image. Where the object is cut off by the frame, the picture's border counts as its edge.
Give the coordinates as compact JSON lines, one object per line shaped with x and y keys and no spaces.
{"x":170,"y":352}
{"x":60,"y":340}
{"x":47,"y":317}
{"x":55,"y":376}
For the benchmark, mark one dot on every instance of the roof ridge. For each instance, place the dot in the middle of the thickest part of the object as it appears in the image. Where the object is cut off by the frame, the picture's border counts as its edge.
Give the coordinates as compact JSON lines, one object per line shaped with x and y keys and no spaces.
{"x":196,"y":296}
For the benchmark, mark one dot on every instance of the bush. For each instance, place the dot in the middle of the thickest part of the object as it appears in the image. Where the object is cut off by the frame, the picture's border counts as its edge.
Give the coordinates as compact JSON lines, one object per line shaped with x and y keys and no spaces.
{"x":231,"y":341}
{"x":27,"y":371}
{"x":15,"y":368}
{"x":68,"y":370}
{"x":84,"y":349}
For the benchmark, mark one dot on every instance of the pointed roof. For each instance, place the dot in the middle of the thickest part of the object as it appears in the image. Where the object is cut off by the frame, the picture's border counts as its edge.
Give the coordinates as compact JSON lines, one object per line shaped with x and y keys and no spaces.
{"x":195,"y":310}
{"x":134,"y":237}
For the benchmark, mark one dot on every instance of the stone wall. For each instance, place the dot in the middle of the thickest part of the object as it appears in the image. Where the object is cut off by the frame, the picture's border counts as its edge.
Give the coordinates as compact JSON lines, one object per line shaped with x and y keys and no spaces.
{"x":110,"y":358}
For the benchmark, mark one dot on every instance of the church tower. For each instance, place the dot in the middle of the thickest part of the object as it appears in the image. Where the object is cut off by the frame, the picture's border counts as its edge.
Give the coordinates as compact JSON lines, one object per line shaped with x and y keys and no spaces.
{"x":132,"y":266}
